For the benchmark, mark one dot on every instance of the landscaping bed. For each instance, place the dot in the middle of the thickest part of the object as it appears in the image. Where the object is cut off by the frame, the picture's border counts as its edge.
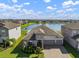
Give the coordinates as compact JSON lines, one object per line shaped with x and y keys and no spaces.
{"x":26,"y":53}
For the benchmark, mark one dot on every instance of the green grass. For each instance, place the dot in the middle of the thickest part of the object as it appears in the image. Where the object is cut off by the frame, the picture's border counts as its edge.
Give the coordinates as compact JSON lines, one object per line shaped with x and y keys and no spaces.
{"x":26,"y":25}
{"x":1,"y":49}
{"x":73,"y":52}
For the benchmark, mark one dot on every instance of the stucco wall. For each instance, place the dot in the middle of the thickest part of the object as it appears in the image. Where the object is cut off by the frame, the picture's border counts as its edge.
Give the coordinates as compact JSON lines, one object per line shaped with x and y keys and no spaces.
{"x":41,"y":37}
{"x":75,"y":32}
{"x":3,"y":34}
{"x":73,"y":43}
{"x":50,"y":40}
{"x":68,"y":34}
{"x":15,"y":33}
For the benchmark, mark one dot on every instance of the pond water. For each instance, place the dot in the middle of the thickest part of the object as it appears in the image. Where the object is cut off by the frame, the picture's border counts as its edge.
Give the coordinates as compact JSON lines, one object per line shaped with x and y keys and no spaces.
{"x":56,"y":27}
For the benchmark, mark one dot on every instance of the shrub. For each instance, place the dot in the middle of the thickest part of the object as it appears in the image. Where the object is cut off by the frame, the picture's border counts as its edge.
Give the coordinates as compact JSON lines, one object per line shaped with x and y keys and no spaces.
{"x":8,"y":42}
{"x":12,"y":40}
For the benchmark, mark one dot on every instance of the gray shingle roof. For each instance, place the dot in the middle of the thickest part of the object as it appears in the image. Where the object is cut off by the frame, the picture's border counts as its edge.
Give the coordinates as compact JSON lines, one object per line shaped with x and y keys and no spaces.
{"x":9,"y":25}
{"x":72,"y":25}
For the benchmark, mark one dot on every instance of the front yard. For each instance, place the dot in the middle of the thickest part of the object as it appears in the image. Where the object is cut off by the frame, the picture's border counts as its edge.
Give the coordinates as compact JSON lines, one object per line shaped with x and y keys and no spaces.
{"x":22,"y":54}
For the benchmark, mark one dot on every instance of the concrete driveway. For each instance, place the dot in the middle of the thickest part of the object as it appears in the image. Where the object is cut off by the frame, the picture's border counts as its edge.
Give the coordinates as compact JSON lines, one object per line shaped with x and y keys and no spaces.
{"x":56,"y":52}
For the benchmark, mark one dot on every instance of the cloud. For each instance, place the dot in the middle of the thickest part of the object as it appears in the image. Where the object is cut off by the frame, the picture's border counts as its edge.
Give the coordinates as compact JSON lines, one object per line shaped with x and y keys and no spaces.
{"x":39,"y":12}
{"x":70,"y":3}
{"x":70,"y":9}
{"x":60,"y":11}
{"x":14,"y":1}
{"x":27,"y":3}
{"x":47,"y":1}
{"x":51,"y":8}
{"x":2,"y":5}
{"x":29,"y":12}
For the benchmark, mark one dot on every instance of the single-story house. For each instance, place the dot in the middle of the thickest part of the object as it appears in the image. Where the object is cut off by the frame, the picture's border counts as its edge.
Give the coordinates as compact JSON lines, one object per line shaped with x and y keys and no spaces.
{"x":9,"y":30}
{"x":71,"y":34}
{"x":44,"y":36}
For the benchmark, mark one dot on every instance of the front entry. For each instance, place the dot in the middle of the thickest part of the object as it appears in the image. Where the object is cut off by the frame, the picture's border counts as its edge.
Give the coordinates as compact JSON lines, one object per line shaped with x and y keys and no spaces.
{"x":39,"y":43}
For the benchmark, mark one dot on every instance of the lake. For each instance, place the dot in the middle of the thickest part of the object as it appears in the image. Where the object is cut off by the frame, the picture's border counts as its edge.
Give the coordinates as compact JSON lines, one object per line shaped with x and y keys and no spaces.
{"x":56,"y":27}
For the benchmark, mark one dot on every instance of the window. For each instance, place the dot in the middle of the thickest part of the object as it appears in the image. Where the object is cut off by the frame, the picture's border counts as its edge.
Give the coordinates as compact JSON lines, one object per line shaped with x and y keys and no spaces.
{"x":3,"y":30}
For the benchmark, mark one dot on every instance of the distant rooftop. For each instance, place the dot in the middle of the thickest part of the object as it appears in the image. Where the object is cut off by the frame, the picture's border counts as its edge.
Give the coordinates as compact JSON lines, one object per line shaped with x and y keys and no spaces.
{"x":72,"y":25}
{"x":9,"y":25}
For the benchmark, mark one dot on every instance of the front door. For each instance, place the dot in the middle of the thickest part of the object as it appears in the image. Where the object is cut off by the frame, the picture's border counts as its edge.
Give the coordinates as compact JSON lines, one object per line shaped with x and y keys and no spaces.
{"x":39,"y":43}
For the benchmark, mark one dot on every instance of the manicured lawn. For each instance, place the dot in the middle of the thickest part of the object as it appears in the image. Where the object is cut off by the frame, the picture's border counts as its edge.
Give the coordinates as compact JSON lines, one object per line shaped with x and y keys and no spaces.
{"x":1,"y":49}
{"x":73,"y":52}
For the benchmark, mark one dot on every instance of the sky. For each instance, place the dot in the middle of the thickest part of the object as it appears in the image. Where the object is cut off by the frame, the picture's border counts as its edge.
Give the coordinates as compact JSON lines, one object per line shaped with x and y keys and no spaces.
{"x":39,"y":9}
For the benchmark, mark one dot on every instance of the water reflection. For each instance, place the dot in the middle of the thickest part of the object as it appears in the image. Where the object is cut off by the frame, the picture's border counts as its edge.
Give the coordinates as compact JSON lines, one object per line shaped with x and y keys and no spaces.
{"x":56,"y":27}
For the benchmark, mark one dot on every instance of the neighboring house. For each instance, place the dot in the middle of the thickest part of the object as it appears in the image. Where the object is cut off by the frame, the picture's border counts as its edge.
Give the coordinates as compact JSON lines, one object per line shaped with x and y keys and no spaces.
{"x":20,"y":21}
{"x":9,"y":30}
{"x":44,"y":36}
{"x":71,"y":34}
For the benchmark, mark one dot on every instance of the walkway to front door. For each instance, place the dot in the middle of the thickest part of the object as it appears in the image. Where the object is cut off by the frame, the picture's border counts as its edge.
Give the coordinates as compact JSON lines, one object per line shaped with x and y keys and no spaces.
{"x":56,"y":52}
